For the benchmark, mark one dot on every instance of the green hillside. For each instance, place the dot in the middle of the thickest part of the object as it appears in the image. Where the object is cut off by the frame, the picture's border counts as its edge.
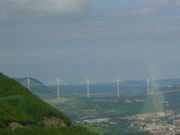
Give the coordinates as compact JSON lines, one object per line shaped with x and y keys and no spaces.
{"x":22,"y":113}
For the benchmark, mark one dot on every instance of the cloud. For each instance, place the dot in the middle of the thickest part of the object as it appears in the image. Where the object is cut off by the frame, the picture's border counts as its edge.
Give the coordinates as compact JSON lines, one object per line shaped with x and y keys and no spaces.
{"x":18,"y":8}
{"x":155,"y":6}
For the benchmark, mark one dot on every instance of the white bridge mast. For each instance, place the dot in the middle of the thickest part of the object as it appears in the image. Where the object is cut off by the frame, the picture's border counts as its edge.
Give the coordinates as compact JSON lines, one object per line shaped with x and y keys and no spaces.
{"x":58,"y":88}
{"x":87,"y":84}
{"x":148,"y":86}
{"x":28,"y":82}
{"x":118,"y":84}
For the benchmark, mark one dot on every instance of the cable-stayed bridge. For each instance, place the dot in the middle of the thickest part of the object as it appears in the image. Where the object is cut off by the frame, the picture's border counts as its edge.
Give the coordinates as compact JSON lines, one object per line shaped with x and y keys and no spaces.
{"x":58,"y":84}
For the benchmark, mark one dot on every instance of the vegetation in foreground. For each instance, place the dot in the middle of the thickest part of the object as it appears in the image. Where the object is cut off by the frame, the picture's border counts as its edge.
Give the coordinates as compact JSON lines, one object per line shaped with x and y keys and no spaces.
{"x":24,"y":113}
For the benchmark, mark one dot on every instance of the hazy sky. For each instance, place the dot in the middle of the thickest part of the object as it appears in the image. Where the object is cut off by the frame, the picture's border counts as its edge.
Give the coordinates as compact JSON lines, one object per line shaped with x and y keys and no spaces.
{"x":99,"y":39}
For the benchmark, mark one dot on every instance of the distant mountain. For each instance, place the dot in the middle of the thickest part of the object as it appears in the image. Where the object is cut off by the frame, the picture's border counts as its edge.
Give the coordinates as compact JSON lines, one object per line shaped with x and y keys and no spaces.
{"x":160,"y":83}
{"x":169,"y":82}
{"x":37,"y":87}
{"x":22,"y":113}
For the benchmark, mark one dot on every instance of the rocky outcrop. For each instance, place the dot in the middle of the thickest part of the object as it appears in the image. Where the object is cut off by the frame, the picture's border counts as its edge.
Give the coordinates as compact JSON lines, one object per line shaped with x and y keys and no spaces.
{"x":15,"y":125}
{"x":53,"y":122}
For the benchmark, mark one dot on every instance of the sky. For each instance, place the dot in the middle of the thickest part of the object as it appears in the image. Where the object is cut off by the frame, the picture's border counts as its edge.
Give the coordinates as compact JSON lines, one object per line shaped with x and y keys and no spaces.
{"x":98,"y":39}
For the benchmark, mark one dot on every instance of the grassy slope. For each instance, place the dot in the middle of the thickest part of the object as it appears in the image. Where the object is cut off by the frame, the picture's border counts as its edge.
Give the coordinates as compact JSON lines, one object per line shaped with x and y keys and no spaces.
{"x":17,"y":104}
